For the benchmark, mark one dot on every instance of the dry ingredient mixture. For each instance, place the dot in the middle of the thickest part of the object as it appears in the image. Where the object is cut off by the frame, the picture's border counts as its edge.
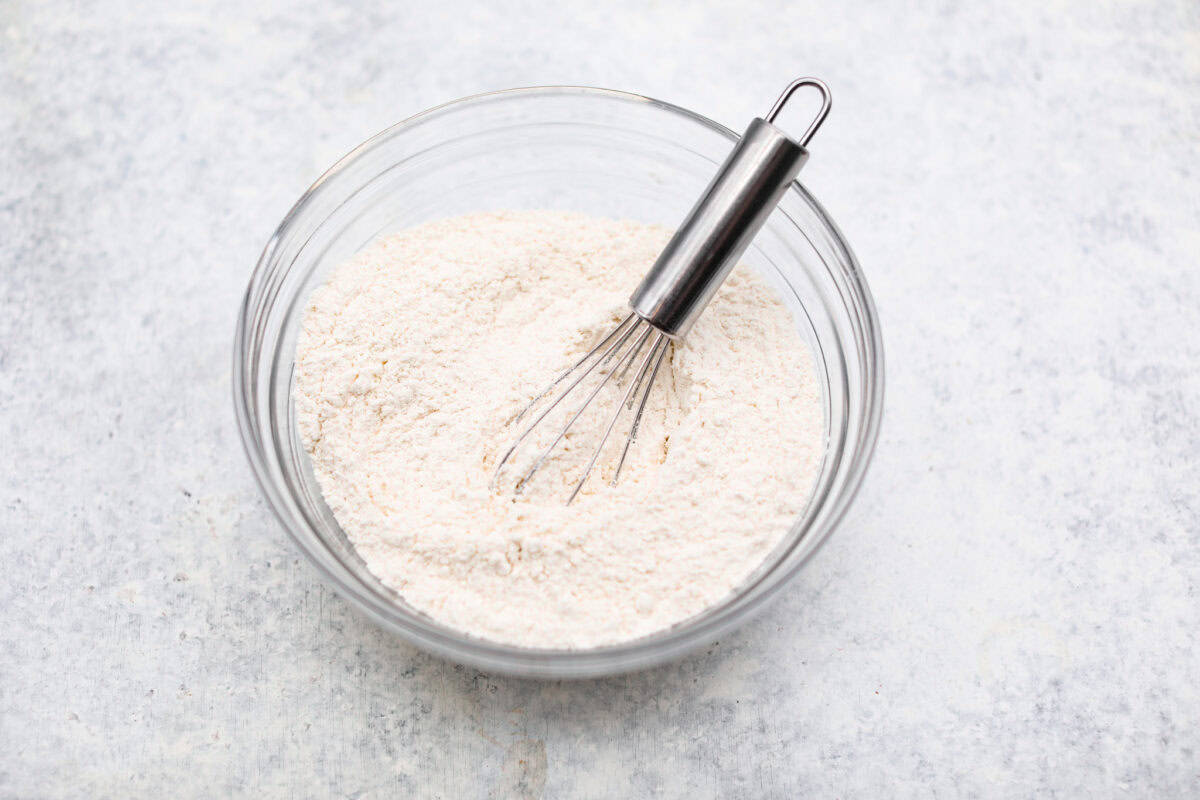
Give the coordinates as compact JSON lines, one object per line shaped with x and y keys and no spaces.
{"x":418,"y":352}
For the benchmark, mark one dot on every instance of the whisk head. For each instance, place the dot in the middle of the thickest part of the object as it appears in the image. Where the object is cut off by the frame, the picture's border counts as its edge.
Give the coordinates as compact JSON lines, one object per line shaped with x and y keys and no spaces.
{"x":633,"y":345}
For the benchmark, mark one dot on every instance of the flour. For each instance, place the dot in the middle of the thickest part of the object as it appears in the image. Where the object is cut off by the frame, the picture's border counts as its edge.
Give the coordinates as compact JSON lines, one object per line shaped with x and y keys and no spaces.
{"x":418,"y":352}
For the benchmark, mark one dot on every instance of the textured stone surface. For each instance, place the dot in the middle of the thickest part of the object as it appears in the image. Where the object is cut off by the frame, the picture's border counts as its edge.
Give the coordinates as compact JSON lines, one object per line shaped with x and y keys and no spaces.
{"x":1011,"y":609}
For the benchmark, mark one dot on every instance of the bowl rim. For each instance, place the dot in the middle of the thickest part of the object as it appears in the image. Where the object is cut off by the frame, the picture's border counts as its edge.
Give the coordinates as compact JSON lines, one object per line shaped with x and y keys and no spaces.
{"x":621,"y":657}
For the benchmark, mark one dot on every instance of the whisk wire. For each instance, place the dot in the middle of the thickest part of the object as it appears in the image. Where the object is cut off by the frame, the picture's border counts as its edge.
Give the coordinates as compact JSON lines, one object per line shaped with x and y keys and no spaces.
{"x":629,"y":354}
{"x":563,"y":375}
{"x":625,"y":402}
{"x":663,"y":344}
{"x":621,"y":333}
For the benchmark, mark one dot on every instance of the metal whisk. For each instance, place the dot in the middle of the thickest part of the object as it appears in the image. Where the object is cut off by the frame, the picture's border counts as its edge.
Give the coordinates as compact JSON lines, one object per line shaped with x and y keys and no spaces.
{"x":675,"y":291}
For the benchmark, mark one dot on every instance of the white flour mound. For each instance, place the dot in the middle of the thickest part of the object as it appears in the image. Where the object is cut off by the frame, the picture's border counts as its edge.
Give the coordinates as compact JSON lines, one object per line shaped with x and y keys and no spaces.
{"x":418,"y":352}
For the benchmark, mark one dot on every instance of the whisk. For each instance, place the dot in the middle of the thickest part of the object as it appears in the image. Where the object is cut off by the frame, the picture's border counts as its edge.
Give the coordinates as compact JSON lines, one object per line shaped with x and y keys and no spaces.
{"x":675,"y":291}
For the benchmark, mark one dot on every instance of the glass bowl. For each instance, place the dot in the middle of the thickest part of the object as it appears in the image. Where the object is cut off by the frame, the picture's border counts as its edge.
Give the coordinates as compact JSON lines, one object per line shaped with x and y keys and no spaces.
{"x":602,"y":152}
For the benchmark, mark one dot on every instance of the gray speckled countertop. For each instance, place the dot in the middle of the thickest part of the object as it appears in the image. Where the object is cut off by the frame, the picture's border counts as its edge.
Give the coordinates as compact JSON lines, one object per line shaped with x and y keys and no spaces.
{"x":1010,"y":610}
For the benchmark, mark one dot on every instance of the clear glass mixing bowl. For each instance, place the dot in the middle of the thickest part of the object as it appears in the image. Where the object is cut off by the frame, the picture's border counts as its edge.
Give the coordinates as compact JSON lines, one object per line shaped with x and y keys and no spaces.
{"x":602,"y":152}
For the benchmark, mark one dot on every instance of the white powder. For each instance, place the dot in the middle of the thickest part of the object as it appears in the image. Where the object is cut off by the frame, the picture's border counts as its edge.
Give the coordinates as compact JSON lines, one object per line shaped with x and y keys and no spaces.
{"x":418,"y":352}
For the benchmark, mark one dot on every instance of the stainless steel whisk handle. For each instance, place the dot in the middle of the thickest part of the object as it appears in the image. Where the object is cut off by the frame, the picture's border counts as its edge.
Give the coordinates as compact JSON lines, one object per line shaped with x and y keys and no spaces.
{"x":726,"y":218}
